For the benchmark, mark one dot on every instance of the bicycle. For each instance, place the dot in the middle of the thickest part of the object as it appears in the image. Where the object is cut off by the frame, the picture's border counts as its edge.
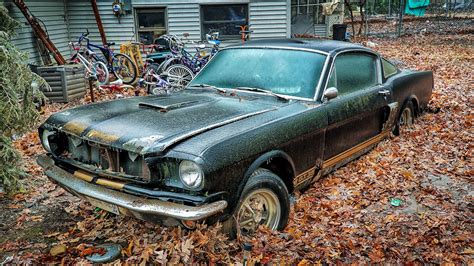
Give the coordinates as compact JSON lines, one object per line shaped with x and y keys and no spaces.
{"x":94,"y":70}
{"x":157,"y":84}
{"x":119,"y":64}
{"x":182,"y":66}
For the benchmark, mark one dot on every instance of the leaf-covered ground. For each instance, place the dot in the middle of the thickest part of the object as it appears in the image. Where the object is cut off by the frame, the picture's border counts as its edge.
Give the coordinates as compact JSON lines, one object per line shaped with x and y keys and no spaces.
{"x":347,"y":217}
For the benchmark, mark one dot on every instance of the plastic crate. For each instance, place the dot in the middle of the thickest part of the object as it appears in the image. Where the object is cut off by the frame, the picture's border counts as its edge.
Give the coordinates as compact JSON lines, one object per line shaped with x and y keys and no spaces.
{"x":67,"y":82}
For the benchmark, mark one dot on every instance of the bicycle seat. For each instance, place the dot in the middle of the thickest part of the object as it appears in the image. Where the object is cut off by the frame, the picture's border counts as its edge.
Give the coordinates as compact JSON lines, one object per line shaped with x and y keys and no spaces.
{"x":214,"y":42}
{"x":110,"y":43}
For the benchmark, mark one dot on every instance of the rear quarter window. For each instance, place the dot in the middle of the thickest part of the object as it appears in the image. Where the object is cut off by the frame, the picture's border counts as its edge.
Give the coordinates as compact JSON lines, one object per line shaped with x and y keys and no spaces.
{"x":389,"y":69}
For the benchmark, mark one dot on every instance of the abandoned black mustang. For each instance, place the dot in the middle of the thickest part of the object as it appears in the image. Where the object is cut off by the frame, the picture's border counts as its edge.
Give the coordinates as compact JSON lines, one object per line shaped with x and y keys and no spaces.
{"x":259,"y":122}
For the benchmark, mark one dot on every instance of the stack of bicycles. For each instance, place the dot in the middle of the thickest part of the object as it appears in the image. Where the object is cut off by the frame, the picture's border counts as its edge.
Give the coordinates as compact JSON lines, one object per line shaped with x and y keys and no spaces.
{"x":99,"y":65}
{"x":179,"y":68}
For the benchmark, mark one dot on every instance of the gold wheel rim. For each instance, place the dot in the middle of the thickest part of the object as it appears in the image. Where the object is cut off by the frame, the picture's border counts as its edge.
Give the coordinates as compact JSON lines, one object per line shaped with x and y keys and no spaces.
{"x":406,"y":118}
{"x":260,"y":207}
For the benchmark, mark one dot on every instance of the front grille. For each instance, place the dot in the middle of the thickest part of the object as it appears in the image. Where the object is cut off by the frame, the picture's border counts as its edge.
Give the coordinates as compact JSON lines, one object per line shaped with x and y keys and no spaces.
{"x":107,"y":159}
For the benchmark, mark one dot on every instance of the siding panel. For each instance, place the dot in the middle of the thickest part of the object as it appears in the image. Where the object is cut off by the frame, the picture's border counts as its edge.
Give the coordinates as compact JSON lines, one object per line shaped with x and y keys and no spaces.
{"x":184,"y":18}
{"x":268,"y":19}
{"x":81,"y":17}
{"x":52,"y":13}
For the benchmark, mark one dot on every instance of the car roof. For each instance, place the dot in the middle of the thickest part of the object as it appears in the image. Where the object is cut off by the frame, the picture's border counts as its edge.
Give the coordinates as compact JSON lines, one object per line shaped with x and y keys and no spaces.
{"x":327,"y":46}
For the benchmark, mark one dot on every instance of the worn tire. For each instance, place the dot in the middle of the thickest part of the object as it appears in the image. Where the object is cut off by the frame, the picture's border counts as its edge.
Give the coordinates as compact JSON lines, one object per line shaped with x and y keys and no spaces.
{"x":409,"y":108}
{"x":261,"y":180}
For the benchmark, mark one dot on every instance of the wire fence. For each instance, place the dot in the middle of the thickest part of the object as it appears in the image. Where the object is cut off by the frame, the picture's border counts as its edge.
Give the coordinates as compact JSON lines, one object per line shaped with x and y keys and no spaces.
{"x":386,"y":18}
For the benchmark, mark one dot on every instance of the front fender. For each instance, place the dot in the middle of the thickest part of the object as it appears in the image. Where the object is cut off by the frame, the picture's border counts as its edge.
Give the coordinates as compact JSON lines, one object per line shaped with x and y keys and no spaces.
{"x":265,"y":158}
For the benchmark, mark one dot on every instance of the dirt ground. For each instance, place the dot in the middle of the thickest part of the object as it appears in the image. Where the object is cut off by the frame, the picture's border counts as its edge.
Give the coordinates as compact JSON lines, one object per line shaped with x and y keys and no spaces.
{"x":348,"y":217}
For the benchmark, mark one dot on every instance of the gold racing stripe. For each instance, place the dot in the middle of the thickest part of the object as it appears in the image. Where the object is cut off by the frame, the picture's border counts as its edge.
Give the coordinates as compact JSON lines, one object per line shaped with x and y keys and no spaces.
{"x":109,"y":183}
{"x":84,"y":175}
{"x":340,"y":157}
{"x":348,"y":153}
{"x":99,"y":181}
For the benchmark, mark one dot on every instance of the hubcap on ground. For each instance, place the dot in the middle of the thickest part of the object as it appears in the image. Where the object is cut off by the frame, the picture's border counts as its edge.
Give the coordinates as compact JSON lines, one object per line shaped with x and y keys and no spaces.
{"x":260,"y":207}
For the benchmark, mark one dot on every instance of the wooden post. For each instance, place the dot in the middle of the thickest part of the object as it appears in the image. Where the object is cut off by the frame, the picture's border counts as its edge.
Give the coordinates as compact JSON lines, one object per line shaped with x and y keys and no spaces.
{"x":40,"y":32}
{"x":99,"y":22}
{"x":91,"y":89}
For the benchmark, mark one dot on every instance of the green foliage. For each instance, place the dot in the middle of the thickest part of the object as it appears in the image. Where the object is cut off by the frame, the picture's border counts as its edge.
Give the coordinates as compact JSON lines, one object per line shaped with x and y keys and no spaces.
{"x":18,"y":91}
{"x":7,"y":24}
{"x":10,"y":168}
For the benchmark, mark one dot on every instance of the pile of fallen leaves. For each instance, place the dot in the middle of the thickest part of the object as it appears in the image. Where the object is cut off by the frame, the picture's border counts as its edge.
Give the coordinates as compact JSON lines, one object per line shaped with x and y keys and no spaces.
{"x":408,"y":200}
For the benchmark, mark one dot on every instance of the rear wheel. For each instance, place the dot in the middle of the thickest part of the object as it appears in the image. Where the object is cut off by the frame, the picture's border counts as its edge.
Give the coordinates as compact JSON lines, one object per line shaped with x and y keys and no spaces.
{"x":264,"y":201}
{"x":179,"y":75}
{"x":123,"y":68}
{"x":406,"y":117}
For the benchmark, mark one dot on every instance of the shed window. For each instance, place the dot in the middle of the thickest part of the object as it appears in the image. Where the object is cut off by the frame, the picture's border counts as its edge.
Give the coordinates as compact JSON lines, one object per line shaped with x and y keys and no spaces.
{"x":151,"y":24}
{"x":225,"y":19}
{"x":355,"y":71}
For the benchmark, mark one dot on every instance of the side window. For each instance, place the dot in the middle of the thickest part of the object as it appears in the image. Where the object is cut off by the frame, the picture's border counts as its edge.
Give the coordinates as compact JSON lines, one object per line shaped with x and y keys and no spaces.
{"x":332,"y":79}
{"x":355,"y":71}
{"x":389,"y":69}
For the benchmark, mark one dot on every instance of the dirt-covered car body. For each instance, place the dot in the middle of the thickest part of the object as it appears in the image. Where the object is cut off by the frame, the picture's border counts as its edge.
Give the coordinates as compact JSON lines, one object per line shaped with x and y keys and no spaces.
{"x":126,"y":155}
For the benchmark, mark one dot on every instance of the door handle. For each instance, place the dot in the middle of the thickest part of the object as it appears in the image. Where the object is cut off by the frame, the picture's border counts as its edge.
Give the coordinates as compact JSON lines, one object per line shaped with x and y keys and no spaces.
{"x":384,"y":92}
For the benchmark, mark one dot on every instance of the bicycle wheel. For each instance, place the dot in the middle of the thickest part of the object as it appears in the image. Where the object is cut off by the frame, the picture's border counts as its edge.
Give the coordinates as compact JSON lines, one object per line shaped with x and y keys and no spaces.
{"x":101,"y":72}
{"x":124,"y":68}
{"x":179,"y":75}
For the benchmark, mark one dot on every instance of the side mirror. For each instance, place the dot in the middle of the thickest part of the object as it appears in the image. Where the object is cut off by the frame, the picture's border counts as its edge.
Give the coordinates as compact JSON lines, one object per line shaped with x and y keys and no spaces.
{"x":330,"y":93}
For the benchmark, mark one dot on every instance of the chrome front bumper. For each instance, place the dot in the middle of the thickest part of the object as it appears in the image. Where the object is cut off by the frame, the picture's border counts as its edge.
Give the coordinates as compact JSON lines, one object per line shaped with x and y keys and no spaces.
{"x":124,"y":203}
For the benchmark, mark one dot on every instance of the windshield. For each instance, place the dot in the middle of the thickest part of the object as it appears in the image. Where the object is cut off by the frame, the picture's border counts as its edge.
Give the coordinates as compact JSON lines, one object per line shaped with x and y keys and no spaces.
{"x":287,"y":72}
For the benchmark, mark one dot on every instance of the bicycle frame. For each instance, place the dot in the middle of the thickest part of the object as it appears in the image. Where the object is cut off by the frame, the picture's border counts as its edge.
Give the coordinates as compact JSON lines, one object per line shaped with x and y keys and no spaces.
{"x":108,"y":53}
{"x":86,"y":62}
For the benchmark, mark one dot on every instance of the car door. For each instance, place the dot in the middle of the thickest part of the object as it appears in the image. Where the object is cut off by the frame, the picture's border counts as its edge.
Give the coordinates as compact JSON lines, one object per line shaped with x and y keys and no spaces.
{"x":356,"y":116}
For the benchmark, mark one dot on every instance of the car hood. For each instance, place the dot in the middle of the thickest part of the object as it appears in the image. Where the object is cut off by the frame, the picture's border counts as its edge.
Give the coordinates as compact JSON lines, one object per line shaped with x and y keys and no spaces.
{"x":151,"y":124}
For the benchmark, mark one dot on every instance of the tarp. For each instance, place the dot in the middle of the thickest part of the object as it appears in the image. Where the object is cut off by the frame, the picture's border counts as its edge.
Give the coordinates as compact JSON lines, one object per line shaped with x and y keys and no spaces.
{"x":416,"y":7}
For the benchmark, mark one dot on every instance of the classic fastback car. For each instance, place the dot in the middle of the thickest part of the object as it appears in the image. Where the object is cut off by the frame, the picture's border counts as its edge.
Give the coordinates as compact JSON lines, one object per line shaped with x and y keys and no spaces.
{"x":259,"y":122}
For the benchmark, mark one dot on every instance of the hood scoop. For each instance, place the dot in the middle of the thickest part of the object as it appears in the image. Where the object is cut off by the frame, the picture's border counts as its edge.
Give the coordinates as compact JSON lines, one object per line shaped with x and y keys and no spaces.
{"x":166,"y":108}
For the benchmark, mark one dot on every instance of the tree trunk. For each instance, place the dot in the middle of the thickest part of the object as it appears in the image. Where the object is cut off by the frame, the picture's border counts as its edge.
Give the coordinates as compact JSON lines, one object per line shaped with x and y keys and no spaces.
{"x":362,"y":16}
{"x":348,"y":5}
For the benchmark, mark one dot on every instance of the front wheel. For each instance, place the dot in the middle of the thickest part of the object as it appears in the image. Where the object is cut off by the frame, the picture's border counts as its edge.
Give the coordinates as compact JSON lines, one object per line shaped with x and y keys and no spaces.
{"x":101,"y":72}
{"x":179,"y":75}
{"x":123,"y":68}
{"x":264,"y":201}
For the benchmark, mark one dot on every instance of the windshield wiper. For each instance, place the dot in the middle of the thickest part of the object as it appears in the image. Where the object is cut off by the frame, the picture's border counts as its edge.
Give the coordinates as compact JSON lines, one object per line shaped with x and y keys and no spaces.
{"x":278,"y":96}
{"x":203,"y":85}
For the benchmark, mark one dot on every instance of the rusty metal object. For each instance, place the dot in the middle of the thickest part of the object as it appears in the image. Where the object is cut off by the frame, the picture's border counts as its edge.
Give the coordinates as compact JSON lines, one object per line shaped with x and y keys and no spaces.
{"x":99,"y":22}
{"x":91,"y":89}
{"x":40,"y":32}
{"x":125,"y":203}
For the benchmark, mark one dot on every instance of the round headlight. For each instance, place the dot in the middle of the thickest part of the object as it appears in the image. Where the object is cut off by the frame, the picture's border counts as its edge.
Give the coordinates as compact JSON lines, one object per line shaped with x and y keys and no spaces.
{"x":191,"y":174}
{"x":45,"y":140}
